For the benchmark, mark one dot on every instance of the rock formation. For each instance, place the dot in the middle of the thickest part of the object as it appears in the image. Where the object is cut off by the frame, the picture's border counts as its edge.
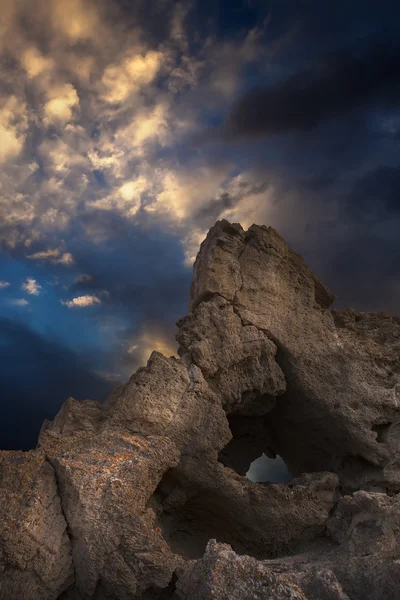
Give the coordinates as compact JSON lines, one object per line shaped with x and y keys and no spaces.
{"x":145,"y":497}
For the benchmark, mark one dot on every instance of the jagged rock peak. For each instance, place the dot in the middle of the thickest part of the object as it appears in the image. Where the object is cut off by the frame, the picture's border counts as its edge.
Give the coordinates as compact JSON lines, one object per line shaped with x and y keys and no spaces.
{"x":217,"y":268}
{"x":145,"y":497}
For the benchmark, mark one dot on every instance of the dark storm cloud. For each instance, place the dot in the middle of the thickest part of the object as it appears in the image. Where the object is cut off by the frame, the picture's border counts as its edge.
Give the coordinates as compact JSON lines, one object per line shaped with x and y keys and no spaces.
{"x":376,"y":194}
{"x":363,"y":268}
{"x":83,"y":279}
{"x":85,"y":282}
{"x":226,"y":17}
{"x":212,"y":210}
{"x":321,"y":181}
{"x":215,"y":207}
{"x":336,"y":85}
{"x":36,"y":376}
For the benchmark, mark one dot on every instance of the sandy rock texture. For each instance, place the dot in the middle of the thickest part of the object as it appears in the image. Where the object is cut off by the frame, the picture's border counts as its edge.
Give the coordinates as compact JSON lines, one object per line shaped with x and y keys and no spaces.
{"x":145,"y":497}
{"x":35,"y":549}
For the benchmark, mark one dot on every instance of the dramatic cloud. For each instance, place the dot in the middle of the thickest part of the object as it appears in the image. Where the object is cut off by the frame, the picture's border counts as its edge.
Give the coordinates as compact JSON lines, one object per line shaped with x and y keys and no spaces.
{"x":376,"y":194}
{"x":337,"y":84}
{"x":82,"y":302}
{"x":135,"y":71}
{"x":13,"y":126}
{"x":32,"y":287}
{"x":95,"y":108}
{"x":59,"y":108}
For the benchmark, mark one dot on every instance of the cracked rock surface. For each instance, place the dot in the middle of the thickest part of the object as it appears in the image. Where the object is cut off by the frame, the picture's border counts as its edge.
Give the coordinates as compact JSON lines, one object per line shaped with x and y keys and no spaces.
{"x":145,"y":497}
{"x":35,"y":550}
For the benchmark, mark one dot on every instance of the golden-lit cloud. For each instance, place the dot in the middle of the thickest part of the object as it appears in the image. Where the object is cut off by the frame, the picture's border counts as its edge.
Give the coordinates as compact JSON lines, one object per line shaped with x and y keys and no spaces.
{"x":191,"y":244}
{"x":53,"y":256}
{"x":81,"y":302}
{"x":253,"y":200}
{"x":35,"y":63}
{"x":147,"y":341}
{"x":32,"y":287}
{"x":109,"y":376}
{"x":78,"y":20}
{"x":94,"y":100}
{"x":126,"y":199}
{"x":148,"y":125}
{"x":183,"y":191}
{"x":13,"y":126}
{"x":119,"y":81}
{"x":60,"y":158}
{"x":83,"y":278}
{"x":60,"y":107}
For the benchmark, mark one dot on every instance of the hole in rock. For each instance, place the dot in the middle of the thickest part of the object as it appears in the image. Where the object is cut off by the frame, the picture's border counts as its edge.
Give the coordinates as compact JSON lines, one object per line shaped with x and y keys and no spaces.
{"x":250,"y":452}
{"x":250,"y":440}
{"x":273,"y":470}
{"x":382,"y":432}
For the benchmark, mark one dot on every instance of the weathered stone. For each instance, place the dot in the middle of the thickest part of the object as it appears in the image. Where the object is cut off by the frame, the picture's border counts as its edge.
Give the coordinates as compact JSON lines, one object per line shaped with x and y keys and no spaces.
{"x":239,"y":362}
{"x":216,"y":270}
{"x":341,"y":408}
{"x":199,"y":498}
{"x":223,"y":575}
{"x":105,"y":481}
{"x":74,"y":416}
{"x":368,"y":523}
{"x":358,"y":560}
{"x":35,"y":551}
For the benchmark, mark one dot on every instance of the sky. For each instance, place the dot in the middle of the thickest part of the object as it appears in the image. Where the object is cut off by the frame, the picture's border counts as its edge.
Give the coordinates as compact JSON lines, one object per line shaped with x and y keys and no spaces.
{"x":128,"y":128}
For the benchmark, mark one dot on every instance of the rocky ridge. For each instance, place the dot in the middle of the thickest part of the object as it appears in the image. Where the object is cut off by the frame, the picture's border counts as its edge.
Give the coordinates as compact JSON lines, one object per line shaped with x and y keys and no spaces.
{"x":145,"y":497}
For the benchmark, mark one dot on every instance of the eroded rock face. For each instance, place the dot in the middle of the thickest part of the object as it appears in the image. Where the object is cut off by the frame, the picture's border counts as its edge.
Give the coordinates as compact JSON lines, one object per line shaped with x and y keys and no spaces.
{"x":105,"y":482}
{"x":341,"y":408}
{"x":323,"y":572}
{"x":238,"y":361}
{"x":35,"y":550}
{"x":221,"y":574}
{"x":358,"y":561}
{"x":144,"y":497}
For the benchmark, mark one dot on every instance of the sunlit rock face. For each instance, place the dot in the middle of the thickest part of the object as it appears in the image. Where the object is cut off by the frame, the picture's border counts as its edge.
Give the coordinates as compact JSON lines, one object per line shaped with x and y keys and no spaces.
{"x":146,"y":496}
